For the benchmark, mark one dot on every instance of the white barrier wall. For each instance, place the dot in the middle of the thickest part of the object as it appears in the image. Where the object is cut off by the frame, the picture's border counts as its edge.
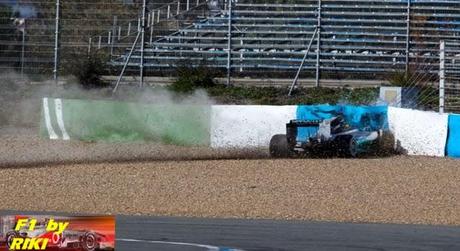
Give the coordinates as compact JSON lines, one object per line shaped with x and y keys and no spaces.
{"x":419,"y":132}
{"x":248,"y":126}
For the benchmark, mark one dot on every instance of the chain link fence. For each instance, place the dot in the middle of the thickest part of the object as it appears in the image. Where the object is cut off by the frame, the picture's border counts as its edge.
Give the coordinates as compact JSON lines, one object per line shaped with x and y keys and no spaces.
{"x":450,"y":76}
{"x":28,"y":30}
{"x":360,"y":39}
{"x":265,"y":39}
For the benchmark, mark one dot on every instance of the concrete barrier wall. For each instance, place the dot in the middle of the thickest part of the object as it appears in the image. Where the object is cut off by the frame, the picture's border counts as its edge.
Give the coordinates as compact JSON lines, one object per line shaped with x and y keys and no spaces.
{"x":419,"y":132}
{"x":88,"y":120}
{"x":248,"y":126}
{"x":216,"y":126}
{"x":221,"y":126}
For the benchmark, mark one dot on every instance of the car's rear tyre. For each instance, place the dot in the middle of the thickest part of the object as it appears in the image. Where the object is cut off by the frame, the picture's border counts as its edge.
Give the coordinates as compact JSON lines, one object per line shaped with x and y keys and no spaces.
{"x":279,"y":147}
{"x":386,"y":143}
{"x":9,"y":238}
{"x":90,"y":242}
{"x":353,"y":148}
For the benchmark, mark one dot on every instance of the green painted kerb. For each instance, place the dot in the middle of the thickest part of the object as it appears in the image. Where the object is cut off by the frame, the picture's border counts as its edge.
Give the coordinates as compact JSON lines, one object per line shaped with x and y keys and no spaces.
{"x":126,"y":122}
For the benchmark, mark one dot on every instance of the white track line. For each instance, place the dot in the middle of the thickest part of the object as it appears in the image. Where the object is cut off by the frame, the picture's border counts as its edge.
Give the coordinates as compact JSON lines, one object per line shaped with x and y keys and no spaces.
{"x":48,"y":124}
{"x":208,"y":247}
{"x":60,"y":119}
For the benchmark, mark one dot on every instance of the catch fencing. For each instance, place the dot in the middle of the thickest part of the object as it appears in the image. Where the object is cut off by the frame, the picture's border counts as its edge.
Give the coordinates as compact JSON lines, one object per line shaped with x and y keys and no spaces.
{"x":38,"y":36}
{"x":450,"y":76}
{"x":335,"y":39}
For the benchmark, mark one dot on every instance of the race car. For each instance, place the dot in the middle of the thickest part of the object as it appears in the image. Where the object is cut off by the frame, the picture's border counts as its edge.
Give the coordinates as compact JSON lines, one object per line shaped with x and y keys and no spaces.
{"x":86,"y":240}
{"x":327,"y":137}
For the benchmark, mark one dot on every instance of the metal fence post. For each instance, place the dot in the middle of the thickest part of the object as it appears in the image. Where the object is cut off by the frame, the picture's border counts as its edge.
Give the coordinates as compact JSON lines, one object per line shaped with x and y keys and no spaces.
{"x":114,"y":34}
{"x":229,"y":45}
{"x":152,"y":22}
{"x":408,"y":21}
{"x":89,"y":45}
{"x":318,"y":47}
{"x":144,"y":9}
{"x":442,"y":75}
{"x":56,"y":43}
{"x":148,"y":19}
{"x":23,"y":50}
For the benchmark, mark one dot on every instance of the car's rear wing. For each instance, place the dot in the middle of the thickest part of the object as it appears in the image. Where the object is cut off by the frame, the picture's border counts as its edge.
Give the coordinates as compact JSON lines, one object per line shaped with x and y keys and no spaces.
{"x":307,"y":128}
{"x":304,"y":123}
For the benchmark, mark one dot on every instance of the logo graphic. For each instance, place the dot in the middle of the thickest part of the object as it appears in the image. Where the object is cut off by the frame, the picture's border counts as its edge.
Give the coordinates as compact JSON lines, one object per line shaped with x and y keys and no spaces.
{"x":57,"y":233}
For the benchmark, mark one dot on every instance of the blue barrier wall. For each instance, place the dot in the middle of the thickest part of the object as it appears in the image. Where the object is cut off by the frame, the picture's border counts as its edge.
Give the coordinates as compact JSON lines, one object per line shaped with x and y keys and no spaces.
{"x":363,"y":117}
{"x":453,"y":140}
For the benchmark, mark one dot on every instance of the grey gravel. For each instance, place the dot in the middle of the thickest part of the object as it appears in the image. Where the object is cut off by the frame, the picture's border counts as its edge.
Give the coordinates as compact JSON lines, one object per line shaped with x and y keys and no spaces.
{"x":145,"y":179}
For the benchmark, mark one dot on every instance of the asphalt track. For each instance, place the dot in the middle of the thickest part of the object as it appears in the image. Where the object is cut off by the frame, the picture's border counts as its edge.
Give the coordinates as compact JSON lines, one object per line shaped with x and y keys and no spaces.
{"x":177,"y":234}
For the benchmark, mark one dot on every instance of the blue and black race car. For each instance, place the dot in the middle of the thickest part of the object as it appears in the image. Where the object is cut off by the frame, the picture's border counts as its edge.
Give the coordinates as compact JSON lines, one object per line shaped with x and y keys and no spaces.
{"x":326,"y":137}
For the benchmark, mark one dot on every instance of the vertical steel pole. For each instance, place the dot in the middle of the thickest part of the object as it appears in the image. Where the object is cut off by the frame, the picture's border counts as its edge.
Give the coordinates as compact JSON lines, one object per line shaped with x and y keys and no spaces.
{"x":89,"y":45}
{"x":151,"y":27}
{"x":56,"y":43}
{"x":442,"y":75}
{"x":318,"y":46}
{"x":23,"y":51}
{"x":241,"y":55}
{"x":408,"y":20}
{"x":148,"y":19}
{"x":113,"y":35}
{"x":144,"y":9}
{"x":229,"y":45}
